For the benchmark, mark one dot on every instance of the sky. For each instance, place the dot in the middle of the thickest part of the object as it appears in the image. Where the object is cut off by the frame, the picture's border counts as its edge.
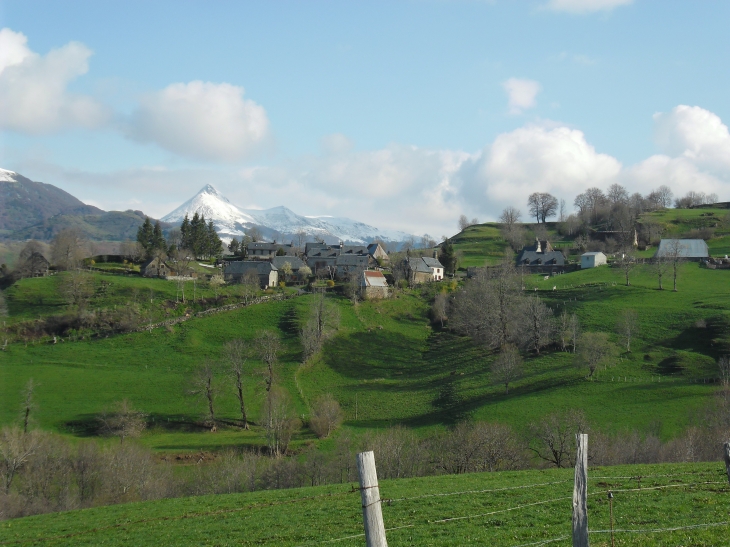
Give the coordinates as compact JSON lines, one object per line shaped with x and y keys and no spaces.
{"x":401,"y":114}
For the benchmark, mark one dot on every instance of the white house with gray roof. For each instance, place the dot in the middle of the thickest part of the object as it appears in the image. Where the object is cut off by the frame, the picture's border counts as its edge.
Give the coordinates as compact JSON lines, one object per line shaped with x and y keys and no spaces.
{"x":592,"y":259}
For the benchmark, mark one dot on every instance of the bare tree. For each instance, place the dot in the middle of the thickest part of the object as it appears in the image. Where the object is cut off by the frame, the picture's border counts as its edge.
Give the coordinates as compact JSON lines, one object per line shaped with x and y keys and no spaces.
{"x":123,"y":421}
{"x":182,"y":259}
{"x":664,"y":196}
{"x":16,"y":448}
{"x":463,"y":223}
{"x":627,"y":327}
{"x":537,"y":321}
{"x":279,"y":420}
{"x":627,"y":262}
{"x":542,"y":206}
{"x":203,"y":387}
{"x":563,"y":211}
{"x":301,"y":238}
{"x":512,"y":231}
{"x":326,"y":416}
{"x":255,"y":234}
{"x":322,"y":321}
{"x":553,"y":437}
{"x":675,"y":256}
{"x":723,"y":365}
{"x":507,"y":367}
{"x":249,"y":286}
{"x":478,"y":447}
{"x":487,"y":309}
{"x":77,"y":288}
{"x":68,"y":249}
{"x":267,"y":346}
{"x":617,"y":194}
{"x":439,"y":309}
{"x":28,"y":403}
{"x":236,"y":353}
{"x":594,"y":349}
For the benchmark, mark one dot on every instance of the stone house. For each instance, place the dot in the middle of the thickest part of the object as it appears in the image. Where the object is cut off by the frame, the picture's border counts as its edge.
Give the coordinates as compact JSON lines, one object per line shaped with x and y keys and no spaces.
{"x":373,"y":285}
{"x":234,"y":272}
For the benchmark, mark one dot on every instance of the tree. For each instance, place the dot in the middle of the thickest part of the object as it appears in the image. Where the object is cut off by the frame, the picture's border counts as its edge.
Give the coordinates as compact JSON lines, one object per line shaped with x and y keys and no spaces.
{"x":28,"y":403}
{"x":255,"y":234}
{"x":279,"y":421}
{"x":553,"y":437}
{"x":675,"y":256}
{"x":16,"y":448}
{"x":267,"y":346}
{"x":507,"y":368}
{"x":123,"y":421}
{"x":569,"y":330}
{"x":439,"y":309}
{"x":510,"y":216}
{"x":627,"y":262}
{"x":214,"y":243}
{"x":237,"y":353}
{"x":664,"y":196}
{"x":487,"y":309}
{"x":542,"y":206}
{"x":234,"y":246}
{"x":538,"y":324}
{"x":249,"y":285}
{"x":77,"y":288}
{"x":145,"y":236}
{"x":660,"y":266}
{"x":627,"y":326}
{"x":463,"y":223}
{"x":326,"y":416}
{"x":182,"y":259}
{"x":512,"y":230}
{"x":322,"y":321}
{"x":286,"y":269}
{"x":617,"y":194}
{"x":589,"y":201}
{"x":203,"y":387}
{"x":68,"y":249}
{"x":594,"y":349}
{"x":447,"y":256}
{"x":158,"y":242}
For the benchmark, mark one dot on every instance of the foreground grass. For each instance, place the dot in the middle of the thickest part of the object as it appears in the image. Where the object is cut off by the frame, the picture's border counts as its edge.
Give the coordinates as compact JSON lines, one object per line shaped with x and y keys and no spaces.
{"x":509,"y":508}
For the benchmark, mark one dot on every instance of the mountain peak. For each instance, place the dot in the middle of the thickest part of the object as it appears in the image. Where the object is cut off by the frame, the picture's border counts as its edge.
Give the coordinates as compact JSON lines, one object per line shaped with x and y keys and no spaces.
{"x":211,"y":190}
{"x":7,"y":176}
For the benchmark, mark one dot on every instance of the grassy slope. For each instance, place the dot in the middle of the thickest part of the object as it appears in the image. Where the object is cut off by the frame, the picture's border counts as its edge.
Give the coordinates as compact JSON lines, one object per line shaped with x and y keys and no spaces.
{"x":405,"y":372}
{"x":312,"y":515}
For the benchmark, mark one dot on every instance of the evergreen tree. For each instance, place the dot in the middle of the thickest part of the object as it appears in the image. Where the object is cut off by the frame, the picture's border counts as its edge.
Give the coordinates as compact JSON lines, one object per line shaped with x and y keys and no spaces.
{"x":185,"y":233}
{"x":447,"y":256}
{"x":195,"y":240}
{"x":158,"y":240}
{"x":213,"y":241}
{"x":145,"y":235}
{"x":234,"y":246}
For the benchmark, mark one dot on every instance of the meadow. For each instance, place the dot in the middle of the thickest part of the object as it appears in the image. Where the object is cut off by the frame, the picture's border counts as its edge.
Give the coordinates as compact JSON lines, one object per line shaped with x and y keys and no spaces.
{"x":387,"y":364}
{"x":653,"y":505}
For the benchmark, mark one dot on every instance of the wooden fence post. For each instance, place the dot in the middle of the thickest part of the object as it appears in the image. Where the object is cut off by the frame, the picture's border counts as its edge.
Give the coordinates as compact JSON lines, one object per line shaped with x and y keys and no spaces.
{"x":727,"y":460}
{"x":372,"y":514}
{"x":580,"y":492}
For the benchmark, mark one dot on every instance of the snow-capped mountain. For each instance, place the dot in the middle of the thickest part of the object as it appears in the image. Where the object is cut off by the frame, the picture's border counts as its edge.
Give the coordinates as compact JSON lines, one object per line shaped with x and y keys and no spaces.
{"x":278,"y":223}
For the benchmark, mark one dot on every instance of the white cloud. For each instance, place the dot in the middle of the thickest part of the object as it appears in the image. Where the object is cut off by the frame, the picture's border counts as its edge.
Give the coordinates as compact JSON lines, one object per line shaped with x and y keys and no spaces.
{"x":425,"y":190}
{"x":585,"y":6}
{"x":521,"y":94}
{"x":201,"y":120}
{"x":33,"y":90}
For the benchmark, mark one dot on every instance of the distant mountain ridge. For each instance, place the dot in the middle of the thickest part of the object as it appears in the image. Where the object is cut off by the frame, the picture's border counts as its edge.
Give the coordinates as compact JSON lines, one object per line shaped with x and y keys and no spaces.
{"x":24,"y":203}
{"x":276,"y":223}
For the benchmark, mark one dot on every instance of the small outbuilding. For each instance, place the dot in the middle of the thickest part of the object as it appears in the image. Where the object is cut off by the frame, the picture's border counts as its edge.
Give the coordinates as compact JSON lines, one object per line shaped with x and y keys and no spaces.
{"x":373,"y":285}
{"x":591,"y":260}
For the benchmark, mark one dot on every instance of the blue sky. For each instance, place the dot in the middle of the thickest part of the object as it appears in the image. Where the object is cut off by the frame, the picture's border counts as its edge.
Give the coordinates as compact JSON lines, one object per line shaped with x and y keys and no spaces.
{"x":400,"y":114}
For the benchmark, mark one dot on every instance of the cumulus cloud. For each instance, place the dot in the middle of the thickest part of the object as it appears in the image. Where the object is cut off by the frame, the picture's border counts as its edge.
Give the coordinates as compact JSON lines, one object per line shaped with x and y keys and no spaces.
{"x":201,"y":120}
{"x":585,"y":6}
{"x":33,"y":87}
{"x":521,"y":94}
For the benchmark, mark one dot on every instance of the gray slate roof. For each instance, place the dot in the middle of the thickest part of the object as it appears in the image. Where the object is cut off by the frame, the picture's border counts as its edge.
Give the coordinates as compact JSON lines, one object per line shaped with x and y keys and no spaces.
{"x":294,"y":261}
{"x":418,"y":265}
{"x":358,"y":261}
{"x":432,"y":262}
{"x":244,"y":266}
{"x":535,"y":259}
{"x":688,"y":248}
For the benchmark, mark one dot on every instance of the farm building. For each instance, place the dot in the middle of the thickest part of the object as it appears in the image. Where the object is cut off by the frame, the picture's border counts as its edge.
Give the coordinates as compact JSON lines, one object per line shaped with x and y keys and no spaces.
{"x":377,"y":252}
{"x":156,"y":267}
{"x":373,"y":285}
{"x":591,"y":260}
{"x":437,"y":269}
{"x":692,"y":249}
{"x":234,"y":272}
{"x":540,"y":254}
{"x":260,"y":250}
{"x":418,"y":271}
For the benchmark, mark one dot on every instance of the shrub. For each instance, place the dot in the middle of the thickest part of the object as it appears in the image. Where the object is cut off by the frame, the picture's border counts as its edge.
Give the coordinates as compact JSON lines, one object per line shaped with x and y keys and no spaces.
{"x":330,"y":283}
{"x":326,"y":416}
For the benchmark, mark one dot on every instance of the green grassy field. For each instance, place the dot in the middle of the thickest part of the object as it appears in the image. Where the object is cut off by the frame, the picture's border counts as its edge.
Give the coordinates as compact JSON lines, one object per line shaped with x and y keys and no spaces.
{"x":387,"y":365}
{"x":679,"y":504}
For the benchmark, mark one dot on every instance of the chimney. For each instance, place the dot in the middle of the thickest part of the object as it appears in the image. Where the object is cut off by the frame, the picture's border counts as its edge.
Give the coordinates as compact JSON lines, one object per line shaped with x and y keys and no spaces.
{"x":538,"y":249}
{"x":341,"y":244}
{"x":435,"y":253}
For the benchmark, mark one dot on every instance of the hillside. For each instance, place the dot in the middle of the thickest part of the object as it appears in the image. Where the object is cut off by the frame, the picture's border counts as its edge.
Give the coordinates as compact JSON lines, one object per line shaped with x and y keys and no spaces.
{"x":24,"y":203}
{"x":678,"y":504}
{"x":406,"y":372}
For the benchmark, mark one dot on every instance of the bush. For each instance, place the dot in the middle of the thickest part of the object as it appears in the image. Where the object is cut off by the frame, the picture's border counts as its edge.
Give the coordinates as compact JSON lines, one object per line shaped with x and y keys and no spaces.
{"x":326,"y":416}
{"x":282,"y":284}
{"x":330,"y":283}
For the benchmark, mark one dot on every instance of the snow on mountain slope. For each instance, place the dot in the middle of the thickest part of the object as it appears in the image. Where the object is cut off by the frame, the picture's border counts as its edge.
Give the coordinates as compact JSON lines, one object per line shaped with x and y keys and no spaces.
{"x":276,"y":223}
{"x":228,"y":219}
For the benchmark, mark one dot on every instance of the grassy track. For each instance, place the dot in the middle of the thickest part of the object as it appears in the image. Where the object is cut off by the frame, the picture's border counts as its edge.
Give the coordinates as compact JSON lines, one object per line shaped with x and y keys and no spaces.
{"x":505,"y":509}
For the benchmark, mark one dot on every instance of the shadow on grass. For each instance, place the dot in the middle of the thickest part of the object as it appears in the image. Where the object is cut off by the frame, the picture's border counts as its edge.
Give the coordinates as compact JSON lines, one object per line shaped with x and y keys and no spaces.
{"x":88,"y":425}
